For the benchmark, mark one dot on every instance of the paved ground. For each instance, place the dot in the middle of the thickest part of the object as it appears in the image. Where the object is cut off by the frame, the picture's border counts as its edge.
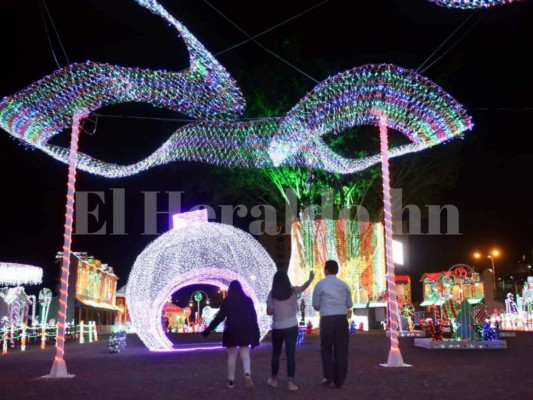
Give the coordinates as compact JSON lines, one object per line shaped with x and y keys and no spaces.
{"x":139,"y":374}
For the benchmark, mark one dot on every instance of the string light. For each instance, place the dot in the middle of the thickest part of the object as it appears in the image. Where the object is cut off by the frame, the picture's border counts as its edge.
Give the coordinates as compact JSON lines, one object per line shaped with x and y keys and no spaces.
{"x":414,"y":106}
{"x":203,"y":253}
{"x":59,"y":366}
{"x":471,"y":3}
{"x":14,"y":274}
{"x":362,"y":267}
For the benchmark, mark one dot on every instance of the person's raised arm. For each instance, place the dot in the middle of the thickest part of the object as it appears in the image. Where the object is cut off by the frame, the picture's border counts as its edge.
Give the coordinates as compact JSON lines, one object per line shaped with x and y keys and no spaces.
{"x":308,"y":282}
{"x":300,"y":289}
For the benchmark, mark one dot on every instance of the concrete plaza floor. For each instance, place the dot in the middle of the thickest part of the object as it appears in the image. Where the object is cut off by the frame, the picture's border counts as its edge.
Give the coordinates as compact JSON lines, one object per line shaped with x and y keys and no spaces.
{"x":136,"y":373}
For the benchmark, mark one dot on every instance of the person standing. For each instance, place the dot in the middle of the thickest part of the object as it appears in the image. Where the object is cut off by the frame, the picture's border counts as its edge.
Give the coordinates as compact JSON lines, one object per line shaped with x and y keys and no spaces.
{"x":282,"y":304}
{"x":332,"y":299}
{"x":240,"y":330}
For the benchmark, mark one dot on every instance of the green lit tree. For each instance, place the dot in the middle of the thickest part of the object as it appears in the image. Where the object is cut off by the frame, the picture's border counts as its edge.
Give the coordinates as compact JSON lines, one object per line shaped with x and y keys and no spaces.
{"x":272,"y":90}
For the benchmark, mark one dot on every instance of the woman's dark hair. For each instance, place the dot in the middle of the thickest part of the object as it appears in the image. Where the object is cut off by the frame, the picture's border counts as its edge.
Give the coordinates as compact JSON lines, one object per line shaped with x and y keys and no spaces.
{"x":281,"y":286}
{"x":332,"y":267}
{"x":235,"y":289}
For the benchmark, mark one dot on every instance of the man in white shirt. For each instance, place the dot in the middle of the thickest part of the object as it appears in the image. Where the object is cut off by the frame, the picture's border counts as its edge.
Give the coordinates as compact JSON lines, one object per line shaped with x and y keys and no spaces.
{"x":332,"y":298}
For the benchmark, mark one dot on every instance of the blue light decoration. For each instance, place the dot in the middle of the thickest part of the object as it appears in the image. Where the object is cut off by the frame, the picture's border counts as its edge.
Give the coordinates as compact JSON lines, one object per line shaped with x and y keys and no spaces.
{"x":353,"y":328}
{"x":408,"y":102}
{"x":300,"y":337}
{"x":471,"y":3}
{"x":117,"y":342}
{"x":489,"y":332}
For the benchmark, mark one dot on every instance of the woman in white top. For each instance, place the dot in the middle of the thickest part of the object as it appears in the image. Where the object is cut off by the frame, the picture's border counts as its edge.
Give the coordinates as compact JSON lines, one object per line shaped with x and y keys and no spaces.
{"x":283,"y":306}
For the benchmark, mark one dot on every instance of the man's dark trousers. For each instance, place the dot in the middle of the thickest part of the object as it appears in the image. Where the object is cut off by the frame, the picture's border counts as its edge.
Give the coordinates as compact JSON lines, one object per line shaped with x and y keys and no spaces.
{"x":334,"y":338}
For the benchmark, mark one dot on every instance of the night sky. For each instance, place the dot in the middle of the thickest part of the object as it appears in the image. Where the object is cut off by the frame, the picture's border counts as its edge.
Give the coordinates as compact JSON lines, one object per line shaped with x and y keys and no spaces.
{"x":485,"y":63}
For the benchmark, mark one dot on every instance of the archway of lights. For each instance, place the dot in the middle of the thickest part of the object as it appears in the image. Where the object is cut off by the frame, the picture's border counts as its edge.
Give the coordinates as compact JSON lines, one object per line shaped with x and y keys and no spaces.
{"x":202,"y":253}
{"x":471,"y":3}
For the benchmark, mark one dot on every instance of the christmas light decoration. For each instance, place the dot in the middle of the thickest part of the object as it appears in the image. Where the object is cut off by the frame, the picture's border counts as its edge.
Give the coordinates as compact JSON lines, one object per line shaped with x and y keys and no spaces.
{"x":357,"y":247}
{"x":45,"y":108}
{"x":300,"y":338}
{"x":414,"y":106}
{"x":45,"y":298}
{"x":117,"y":342}
{"x":353,"y":328}
{"x":14,"y":274}
{"x":59,"y":366}
{"x":33,"y":301}
{"x":489,"y":332}
{"x":471,"y":3}
{"x":200,"y":253}
{"x":395,"y":356}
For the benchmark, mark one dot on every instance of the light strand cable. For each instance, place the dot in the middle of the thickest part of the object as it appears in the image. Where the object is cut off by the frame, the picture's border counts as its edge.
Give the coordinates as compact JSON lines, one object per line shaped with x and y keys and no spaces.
{"x":455,"y":43}
{"x":272,"y":27}
{"x":48,"y":36}
{"x":260,"y":45}
{"x":55,"y":30}
{"x":447,"y":39}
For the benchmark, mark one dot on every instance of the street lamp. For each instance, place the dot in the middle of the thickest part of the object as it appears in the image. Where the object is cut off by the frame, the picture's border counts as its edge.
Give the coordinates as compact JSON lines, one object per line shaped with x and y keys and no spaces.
{"x":198,"y":296}
{"x":493,"y":253}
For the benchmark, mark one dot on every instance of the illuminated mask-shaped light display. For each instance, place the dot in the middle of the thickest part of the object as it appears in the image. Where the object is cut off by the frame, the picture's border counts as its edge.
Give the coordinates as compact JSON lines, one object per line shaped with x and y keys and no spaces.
{"x":411,"y":104}
{"x":471,"y":3}
{"x":198,"y":253}
{"x":415,"y":106}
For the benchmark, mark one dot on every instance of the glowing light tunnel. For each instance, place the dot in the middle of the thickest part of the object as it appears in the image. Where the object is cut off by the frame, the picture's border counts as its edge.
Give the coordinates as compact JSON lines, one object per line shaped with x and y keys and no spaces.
{"x":203,"y":253}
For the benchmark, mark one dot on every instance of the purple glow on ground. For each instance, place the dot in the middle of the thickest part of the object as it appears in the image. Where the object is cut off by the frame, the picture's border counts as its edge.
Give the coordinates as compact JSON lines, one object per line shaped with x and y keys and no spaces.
{"x":187,"y":349}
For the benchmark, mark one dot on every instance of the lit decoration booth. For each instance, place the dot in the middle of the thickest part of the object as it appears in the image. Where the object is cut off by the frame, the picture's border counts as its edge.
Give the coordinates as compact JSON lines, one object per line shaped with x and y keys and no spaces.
{"x":14,"y":302}
{"x":92,"y":291}
{"x":122,"y":316}
{"x":403,"y":289}
{"x":195,"y":252}
{"x":359,"y":250}
{"x":177,"y":317}
{"x":460,"y":282}
{"x":456,"y":309}
{"x":455,"y":300}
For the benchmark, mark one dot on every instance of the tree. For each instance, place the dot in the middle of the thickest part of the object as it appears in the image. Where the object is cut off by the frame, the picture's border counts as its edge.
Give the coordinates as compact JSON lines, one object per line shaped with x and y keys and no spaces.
{"x":271,"y":91}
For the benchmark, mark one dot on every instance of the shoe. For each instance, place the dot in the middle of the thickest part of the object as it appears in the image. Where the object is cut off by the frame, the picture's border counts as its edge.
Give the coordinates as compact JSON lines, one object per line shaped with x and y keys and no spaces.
{"x":291,"y":385}
{"x":272,"y":382}
{"x":326,"y":382}
{"x":231,"y":384}
{"x":248,"y":384}
{"x":341,"y":386}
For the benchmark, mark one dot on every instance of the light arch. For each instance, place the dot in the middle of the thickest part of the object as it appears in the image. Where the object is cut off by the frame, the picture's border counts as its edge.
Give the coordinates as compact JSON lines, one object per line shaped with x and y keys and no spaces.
{"x":201,"y":253}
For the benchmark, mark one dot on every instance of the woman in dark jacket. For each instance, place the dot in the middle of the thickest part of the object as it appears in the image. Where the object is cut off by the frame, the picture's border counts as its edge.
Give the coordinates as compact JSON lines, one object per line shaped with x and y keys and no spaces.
{"x":240,"y":330}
